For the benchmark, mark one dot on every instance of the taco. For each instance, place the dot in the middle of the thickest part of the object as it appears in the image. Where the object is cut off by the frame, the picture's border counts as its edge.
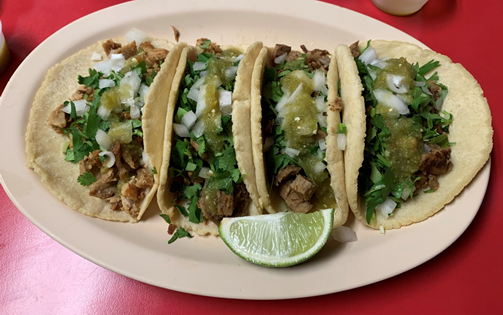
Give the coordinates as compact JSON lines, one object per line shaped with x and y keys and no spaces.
{"x":297,"y":147}
{"x":418,"y":131}
{"x":207,"y":171}
{"x":92,"y":135}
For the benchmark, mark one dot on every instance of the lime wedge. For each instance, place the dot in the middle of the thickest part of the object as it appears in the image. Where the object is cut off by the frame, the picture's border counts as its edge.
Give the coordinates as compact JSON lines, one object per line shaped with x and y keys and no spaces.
{"x":278,"y":240}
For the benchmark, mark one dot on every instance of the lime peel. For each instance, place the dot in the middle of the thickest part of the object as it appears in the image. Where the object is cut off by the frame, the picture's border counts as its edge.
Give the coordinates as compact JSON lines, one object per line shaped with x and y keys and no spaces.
{"x":277,"y":240}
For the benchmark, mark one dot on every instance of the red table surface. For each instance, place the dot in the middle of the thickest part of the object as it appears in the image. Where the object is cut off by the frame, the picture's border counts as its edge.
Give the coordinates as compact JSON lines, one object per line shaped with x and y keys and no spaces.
{"x":38,"y":275}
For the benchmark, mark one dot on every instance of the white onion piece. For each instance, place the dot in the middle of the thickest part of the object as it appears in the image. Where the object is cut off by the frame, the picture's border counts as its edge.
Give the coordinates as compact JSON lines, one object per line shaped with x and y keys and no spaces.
{"x":406,"y":192}
{"x":193,"y":94}
{"x":230,"y":73}
{"x":282,"y":101}
{"x":109,"y":158}
{"x":372,"y":73}
{"x":116,"y":56}
{"x":322,"y":144}
{"x":218,"y":82}
{"x":368,"y":56}
{"x":419,"y":83}
{"x":320,"y":104}
{"x":138,"y":102}
{"x":344,"y":234}
{"x":319,"y":167}
{"x":295,"y":93}
{"x":438,"y":104}
{"x":225,"y":102}
{"x":341,"y":141}
{"x":203,"y":73}
{"x":319,"y":154}
{"x":81,"y":107}
{"x":280,"y":59}
{"x":386,"y":207}
{"x":269,"y":141}
{"x":201,"y":100}
{"x":198,"y":128}
{"x":143,"y":91}
{"x":96,"y":56}
{"x":205,"y":172}
{"x":396,"y":84}
{"x":426,"y":148}
{"x":379,"y":63}
{"x":238,"y":58}
{"x":322,"y":120}
{"x":291,"y":152}
{"x":136,"y":35}
{"x":103,"y":112}
{"x":106,"y":66}
{"x":145,"y":159}
{"x":103,"y":139}
{"x":391,"y":100}
{"x":133,"y":79}
{"x":104,"y":83}
{"x":181,"y":130}
{"x":320,"y":82}
{"x":135,"y":112}
{"x":189,"y":119}
{"x":425,"y":90}
{"x":198,"y":66}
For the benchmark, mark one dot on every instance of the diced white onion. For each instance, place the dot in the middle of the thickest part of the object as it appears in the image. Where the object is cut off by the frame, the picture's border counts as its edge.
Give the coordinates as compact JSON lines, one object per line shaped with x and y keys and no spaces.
{"x":135,"y":112}
{"x":319,"y":167}
{"x":391,"y":100}
{"x":109,"y":158}
{"x":382,"y":229}
{"x":96,"y":56}
{"x":198,"y":128}
{"x":198,"y":66}
{"x":203,"y":73}
{"x":320,"y":82}
{"x":205,"y":172}
{"x":181,"y":130}
{"x":225,"y":102}
{"x":145,"y":159}
{"x":344,"y":234}
{"x":291,"y":152}
{"x":319,"y":154}
{"x":217,"y":82}
{"x":396,"y":84}
{"x":280,"y":59}
{"x":269,"y":141}
{"x":281,"y":103}
{"x":322,"y":145}
{"x":143,"y":91}
{"x":116,"y":63}
{"x":193,"y":94}
{"x":116,"y":56}
{"x":198,"y":83}
{"x":341,"y":141}
{"x":419,"y":83}
{"x":103,"y":112}
{"x":104,"y":83}
{"x":104,"y":140}
{"x":239,"y":57}
{"x":136,"y":35}
{"x":438,"y":103}
{"x":322,"y":120}
{"x":230,"y":73}
{"x":133,"y":79}
{"x":405,"y":192}
{"x":189,"y":119}
{"x":386,"y":207}
{"x":81,"y":107}
{"x":425,"y":90}
{"x":321,"y":105}
{"x":295,"y":93}
{"x":379,"y":63}
{"x":372,"y":73}
{"x":201,"y":100}
{"x":368,"y":56}
{"x":427,"y":149}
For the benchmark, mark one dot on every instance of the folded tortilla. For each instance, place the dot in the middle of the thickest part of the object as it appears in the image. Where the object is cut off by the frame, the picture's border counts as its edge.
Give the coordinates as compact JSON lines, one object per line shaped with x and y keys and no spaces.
{"x":44,"y":146}
{"x":270,"y":198}
{"x":470,"y":130}
{"x":241,"y":100}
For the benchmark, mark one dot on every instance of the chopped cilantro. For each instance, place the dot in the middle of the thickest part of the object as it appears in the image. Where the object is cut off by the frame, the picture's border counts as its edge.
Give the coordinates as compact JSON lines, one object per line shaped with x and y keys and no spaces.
{"x":179,"y":233}
{"x":86,"y":179}
{"x":205,"y":44}
{"x":93,"y":80}
{"x":342,"y":128}
{"x":154,"y":170}
{"x":166,"y":218}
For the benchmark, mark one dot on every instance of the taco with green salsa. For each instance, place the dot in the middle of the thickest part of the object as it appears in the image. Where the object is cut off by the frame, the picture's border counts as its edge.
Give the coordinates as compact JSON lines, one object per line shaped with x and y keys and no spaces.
{"x":93,"y":132}
{"x":418,"y":131}
{"x":207,"y":171}
{"x":297,"y":135}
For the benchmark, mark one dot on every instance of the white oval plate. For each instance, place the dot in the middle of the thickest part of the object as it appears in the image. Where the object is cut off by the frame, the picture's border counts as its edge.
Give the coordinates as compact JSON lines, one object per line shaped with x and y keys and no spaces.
{"x":204,"y":265}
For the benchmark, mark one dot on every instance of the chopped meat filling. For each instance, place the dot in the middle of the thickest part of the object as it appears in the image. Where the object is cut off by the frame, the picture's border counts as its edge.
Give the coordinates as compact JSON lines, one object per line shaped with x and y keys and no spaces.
{"x":212,"y":49}
{"x":241,"y":200}
{"x":280,"y":50}
{"x":89,"y":162}
{"x":435,"y":89}
{"x":320,"y":134}
{"x":176,"y":33}
{"x":110,"y":45}
{"x":293,"y":55}
{"x":355,"y":49}
{"x":293,"y":199}
{"x":337,"y":105}
{"x":105,"y":186}
{"x":153,"y":55}
{"x":59,"y":119}
{"x":435,"y":163}
{"x":81,"y":92}
{"x":318,"y":59}
{"x":287,"y":172}
{"x":303,"y":187}
{"x":225,"y":204}
{"x":144,"y":178}
{"x":127,"y":51}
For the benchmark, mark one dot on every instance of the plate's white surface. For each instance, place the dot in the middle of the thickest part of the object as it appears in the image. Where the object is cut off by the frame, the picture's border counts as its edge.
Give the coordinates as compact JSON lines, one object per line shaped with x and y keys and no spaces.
{"x":204,"y":265}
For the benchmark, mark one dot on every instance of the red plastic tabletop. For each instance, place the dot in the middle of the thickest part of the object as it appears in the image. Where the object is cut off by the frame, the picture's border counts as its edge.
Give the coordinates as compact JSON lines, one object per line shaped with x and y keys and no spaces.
{"x":38,"y":275}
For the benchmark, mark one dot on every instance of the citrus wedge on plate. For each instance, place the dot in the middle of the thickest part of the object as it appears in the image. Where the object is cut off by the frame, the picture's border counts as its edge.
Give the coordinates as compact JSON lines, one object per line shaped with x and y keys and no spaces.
{"x":278,"y":240}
